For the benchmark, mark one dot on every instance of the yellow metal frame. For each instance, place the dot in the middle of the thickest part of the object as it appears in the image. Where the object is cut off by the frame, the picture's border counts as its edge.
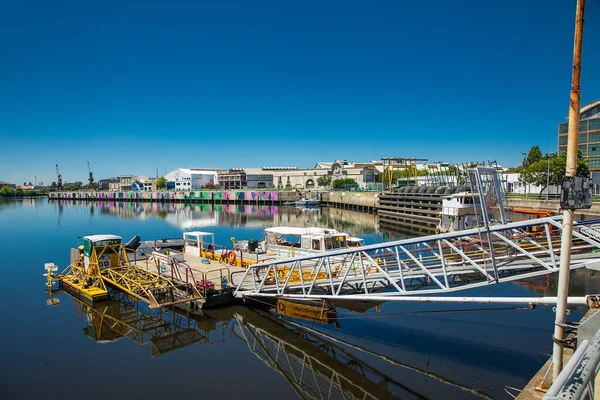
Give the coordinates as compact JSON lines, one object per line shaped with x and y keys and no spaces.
{"x":135,"y":281}
{"x":391,"y":164}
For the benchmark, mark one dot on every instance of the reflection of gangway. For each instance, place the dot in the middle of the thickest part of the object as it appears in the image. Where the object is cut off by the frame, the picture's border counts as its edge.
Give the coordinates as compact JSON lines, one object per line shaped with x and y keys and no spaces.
{"x":487,"y":254}
{"x":317,"y":368}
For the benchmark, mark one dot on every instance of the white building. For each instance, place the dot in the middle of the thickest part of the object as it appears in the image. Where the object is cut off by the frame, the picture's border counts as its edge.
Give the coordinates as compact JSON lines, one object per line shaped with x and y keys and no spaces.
{"x":190,"y":179}
{"x":512,"y":185}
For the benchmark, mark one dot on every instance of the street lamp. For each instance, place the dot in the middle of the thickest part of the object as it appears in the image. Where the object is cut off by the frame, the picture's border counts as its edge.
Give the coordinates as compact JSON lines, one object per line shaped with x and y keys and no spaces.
{"x":548,"y":178}
{"x":523,"y":174}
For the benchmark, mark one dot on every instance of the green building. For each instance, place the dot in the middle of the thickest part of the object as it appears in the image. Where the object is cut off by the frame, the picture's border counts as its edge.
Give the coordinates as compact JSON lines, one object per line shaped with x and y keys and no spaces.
{"x":589,"y":137}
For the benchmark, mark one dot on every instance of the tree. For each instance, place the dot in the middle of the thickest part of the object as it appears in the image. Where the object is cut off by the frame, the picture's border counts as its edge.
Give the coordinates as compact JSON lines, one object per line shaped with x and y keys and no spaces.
{"x":534,"y":155}
{"x":341,"y":183}
{"x":324,"y":180}
{"x":161,"y":183}
{"x":7,"y":191}
{"x":537,"y":173}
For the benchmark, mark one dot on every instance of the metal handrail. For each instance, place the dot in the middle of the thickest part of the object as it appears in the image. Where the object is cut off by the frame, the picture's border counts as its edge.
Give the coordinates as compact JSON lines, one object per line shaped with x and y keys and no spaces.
{"x":577,"y":379}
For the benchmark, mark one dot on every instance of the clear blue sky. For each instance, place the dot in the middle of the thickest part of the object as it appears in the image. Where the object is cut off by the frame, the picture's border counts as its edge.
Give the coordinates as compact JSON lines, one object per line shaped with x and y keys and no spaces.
{"x":135,"y":86}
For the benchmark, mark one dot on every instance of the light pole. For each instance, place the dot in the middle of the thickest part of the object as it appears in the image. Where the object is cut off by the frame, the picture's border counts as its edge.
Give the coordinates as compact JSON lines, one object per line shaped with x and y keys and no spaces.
{"x":548,"y":178}
{"x":523,"y":174}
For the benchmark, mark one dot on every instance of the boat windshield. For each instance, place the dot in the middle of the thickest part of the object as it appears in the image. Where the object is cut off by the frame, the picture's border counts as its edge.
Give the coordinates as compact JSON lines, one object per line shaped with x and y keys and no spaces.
{"x":282,"y":239}
{"x":335,"y":242}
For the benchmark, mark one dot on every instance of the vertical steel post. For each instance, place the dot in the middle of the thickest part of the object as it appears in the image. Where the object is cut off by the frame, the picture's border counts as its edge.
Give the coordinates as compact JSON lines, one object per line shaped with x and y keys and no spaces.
{"x":567,"y":231}
{"x":548,"y":178}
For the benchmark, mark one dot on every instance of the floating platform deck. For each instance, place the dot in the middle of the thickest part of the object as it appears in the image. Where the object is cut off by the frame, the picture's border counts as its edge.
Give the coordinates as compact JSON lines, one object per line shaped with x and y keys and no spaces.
{"x":91,"y":294}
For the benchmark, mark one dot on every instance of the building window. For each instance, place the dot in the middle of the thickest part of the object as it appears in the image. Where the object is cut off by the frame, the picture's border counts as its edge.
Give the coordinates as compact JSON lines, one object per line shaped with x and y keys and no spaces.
{"x":594,"y":150}
{"x":594,"y":163}
{"x":310,"y":184}
{"x":594,"y":137}
{"x":595,"y":124}
{"x":583,"y":138}
{"x":563,"y":128}
{"x":562,"y":149}
{"x":582,"y":126}
{"x":583,"y":149}
{"x":562,"y":140}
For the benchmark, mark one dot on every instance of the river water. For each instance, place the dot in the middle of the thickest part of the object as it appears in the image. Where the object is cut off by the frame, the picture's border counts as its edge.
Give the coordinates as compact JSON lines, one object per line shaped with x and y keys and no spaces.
{"x":58,"y":347}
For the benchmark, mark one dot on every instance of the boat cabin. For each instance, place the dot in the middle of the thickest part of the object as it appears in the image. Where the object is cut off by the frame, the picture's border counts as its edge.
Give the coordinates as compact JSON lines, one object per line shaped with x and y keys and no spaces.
{"x":458,"y":204}
{"x":103,"y":249}
{"x":307,"y":239}
{"x":196,"y":242}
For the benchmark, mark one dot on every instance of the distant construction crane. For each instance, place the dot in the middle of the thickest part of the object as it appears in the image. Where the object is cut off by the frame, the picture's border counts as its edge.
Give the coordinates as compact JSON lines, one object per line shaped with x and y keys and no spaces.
{"x":59,"y":182}
{"x":90,"y":178}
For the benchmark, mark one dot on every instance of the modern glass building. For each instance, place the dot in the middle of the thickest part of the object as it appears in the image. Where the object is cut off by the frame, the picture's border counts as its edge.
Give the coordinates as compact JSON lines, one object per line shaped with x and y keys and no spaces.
{"x":589,"y":137}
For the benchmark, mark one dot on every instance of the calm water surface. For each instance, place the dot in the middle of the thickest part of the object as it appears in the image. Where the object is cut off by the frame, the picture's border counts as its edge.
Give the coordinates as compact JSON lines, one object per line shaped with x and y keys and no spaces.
{"x":121,"y":349}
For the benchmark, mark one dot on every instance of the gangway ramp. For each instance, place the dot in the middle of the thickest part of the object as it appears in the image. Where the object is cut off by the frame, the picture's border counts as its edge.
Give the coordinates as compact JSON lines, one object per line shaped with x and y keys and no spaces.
{"x":427,"y":265}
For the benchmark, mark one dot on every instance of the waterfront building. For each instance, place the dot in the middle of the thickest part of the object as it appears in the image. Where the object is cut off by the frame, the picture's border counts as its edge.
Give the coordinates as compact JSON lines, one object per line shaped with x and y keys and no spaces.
{"x":149,"y":184}
{"x":295,"y":178}
{"x":11,"y":185}
{"x":362,"y":172}
{"x":589,"y":137}
{"x":125,"y":182}
{"x":114,"y":184}
{"x":234,"y":178}
{"x":191,"y":179}
{"x":258,"y":178}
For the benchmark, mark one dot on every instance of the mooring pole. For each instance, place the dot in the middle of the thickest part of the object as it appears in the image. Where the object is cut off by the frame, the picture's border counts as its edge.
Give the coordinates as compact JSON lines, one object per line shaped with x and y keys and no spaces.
{"x":567,"y":231}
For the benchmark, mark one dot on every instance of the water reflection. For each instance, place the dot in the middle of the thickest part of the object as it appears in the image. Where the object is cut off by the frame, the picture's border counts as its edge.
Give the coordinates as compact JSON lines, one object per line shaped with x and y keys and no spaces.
{"x":314,"y":364}
{"x":190,"y":216}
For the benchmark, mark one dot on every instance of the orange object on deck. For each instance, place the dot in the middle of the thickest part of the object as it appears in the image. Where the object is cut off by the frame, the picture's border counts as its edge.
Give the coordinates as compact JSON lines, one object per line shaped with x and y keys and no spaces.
{"x":539,"y":213}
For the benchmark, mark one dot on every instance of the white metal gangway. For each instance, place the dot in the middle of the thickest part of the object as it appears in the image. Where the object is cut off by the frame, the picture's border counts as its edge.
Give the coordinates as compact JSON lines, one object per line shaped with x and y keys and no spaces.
{"x":429,"y":265}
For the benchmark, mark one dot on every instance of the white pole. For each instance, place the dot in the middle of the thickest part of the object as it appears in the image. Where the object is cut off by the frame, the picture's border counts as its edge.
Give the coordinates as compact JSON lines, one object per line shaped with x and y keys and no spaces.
{"x":580,"y":301}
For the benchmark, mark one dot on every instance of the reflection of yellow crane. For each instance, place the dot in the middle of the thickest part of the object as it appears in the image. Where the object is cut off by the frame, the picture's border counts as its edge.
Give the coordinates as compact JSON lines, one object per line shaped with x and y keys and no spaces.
{"x":406,"y":166}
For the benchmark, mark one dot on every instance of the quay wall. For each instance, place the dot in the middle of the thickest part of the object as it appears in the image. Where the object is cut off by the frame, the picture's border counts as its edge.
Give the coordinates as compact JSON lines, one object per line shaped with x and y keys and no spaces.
{"x":360,"y":201}
{"x":554,"y":206}
{"x":258,"y":197}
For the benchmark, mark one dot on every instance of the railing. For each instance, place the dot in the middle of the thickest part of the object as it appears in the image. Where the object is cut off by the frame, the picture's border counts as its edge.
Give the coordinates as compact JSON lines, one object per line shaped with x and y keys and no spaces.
{"x":425,"y":265}
{"x":577,"y":379}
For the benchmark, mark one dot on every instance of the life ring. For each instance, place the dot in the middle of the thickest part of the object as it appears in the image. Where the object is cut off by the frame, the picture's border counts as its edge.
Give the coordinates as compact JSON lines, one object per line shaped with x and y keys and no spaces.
{"x":280,"y":307}
{"x":281,"y":274}
{"x":231,"y":256}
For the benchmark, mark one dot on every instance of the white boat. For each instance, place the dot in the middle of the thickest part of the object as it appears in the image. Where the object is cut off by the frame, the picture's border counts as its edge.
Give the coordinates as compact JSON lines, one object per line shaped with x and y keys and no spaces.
{"x":307,"y":202}
{"x":288,"y":241}
{"x":458,"y":212}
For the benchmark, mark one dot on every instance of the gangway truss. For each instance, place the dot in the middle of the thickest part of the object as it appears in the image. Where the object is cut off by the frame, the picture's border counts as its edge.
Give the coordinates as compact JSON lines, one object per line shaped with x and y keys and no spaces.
{"x":495,"y":251}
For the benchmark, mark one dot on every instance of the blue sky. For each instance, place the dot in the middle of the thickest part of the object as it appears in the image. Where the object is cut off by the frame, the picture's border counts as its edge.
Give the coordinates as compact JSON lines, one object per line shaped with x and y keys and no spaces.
{"x":135,"y":86}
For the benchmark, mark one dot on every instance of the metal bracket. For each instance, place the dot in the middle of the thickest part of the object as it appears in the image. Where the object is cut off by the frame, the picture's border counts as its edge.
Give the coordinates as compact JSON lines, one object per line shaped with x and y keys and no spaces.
{"x":570,"y":343}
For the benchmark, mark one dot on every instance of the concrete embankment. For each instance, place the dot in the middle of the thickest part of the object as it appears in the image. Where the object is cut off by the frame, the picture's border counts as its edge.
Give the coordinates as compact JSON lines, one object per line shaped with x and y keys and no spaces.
{"x":554,"y":206}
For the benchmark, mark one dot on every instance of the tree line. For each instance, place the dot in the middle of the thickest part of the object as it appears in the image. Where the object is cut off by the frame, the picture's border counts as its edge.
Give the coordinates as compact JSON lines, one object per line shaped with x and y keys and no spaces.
{"x":540,"y":169}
